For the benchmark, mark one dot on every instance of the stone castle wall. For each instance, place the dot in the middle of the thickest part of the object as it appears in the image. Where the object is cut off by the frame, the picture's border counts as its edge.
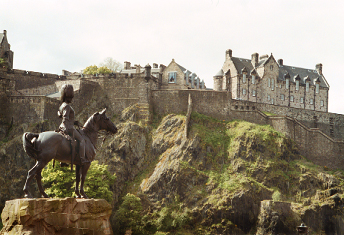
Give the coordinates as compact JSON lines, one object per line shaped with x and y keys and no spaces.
{"x":314,"y":144}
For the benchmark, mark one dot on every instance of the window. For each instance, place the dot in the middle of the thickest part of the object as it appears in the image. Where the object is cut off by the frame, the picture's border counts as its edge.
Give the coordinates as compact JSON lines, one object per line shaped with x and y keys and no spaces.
{"x":269,"y":82}
{"x":244,"y":78}
{"x":253,"y":79}
{"x":172,"y":77}
{"x":301,"y":100}
{"x":307,"y":86}
{"x":291,"y":98}
{"x":254,"y":93}
{"x":311,"y":101}
{"x":287,"y":83}
{"x":321,"y":103}
{"x":272,"y":84}
{"x":297,"y":84}
{"x":271,"y":67}
{"x":244,"y":91}
{"x":269,"y":97}
{"x":317,"y":88}
{"x":282,"y":97}
{"x":272,"y":101}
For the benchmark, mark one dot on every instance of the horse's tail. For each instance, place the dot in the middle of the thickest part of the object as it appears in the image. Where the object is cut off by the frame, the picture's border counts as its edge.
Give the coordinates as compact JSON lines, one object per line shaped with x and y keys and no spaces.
{"x":29,"y":140}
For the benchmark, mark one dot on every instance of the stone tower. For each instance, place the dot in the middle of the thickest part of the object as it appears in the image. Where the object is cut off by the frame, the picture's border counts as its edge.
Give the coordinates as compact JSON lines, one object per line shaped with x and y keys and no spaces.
{"x":5,"y":51}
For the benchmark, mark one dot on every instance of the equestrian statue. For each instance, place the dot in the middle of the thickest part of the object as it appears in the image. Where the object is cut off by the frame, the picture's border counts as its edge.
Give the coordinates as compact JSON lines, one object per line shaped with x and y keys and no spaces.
{"x":67,"y":145}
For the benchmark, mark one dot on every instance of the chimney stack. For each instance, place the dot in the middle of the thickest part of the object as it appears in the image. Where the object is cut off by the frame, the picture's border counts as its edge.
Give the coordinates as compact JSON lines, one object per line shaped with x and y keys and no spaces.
{"x":228,"y":53}
{"x":148,"y":71}
{"x":280,"y":62}
{"x":155,"y":65}
{"x":254,"y":59}
{"x":5,"y":32}
{"x":127,"y":65}
{"x":318,"y":67}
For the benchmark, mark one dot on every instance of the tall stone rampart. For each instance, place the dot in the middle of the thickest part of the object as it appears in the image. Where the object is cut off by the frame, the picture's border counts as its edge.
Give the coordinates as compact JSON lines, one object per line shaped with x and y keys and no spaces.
{"x":32,"y":109}
{"x":27,"y":79}
{"x":314,"y":144}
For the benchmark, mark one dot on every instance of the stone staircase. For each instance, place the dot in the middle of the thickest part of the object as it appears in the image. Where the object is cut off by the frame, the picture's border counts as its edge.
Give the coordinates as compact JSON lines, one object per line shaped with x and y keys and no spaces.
{"x":143,"y":112}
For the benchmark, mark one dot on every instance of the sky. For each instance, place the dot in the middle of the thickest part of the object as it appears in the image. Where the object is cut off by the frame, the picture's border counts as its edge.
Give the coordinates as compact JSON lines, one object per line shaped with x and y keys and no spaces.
{"x":51,"y":35}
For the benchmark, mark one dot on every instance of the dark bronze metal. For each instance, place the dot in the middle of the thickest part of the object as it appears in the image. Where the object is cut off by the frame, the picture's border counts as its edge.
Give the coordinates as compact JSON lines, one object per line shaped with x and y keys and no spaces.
{"x":46,"y":146}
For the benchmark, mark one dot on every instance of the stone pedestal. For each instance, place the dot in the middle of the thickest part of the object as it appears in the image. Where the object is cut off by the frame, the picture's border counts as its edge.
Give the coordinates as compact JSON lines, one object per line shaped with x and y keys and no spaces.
{"x":56,"y":216}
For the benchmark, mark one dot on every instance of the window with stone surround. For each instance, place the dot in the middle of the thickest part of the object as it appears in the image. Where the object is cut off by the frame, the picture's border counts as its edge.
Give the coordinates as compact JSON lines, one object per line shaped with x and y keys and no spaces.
{"x":301,"y":100}
{"x":253,"y":79}
{"x":317,"y":88}
{"x":321,"y":103}
{"x":307,"y":86}
{"x":253,"y":92}
{"x":244,"y":78}
{"x":272,"y":84}
{"x":172,"y":77}
{"x":282,"y":97}
{"x":297,"y":85}
{"x":311,"y":101}
{"x":291,"y":98}
{"x":269,"y":82}
{"x":287,"y":84}
{"x":269,"y":98}
{"x":272,"y":101}
{"x":244,"y":91}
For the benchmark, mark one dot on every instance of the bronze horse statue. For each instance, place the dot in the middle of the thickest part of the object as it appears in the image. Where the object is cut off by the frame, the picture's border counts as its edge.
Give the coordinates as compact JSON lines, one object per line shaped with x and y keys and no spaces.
{"x":50,"y":145}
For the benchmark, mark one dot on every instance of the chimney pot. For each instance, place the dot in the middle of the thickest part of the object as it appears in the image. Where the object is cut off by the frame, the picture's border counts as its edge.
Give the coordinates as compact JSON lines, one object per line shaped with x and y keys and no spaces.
{"x":155,"y":65}
{"x":280,"y":62}
{"x":318,"y":67}
{"x":228,"y":53}
{"x":254,"y":59}
{"x":127,"y":65}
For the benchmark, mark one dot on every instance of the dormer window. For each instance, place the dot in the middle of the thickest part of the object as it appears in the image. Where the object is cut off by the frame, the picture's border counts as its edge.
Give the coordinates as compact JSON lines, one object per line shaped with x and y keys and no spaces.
{"x":307,"y":86}
{"x":244,"y":78}
{"x":297,"y":87}
{"x":253,"y":79}
{"x":287,"y":83}
{"x":317,"y":88}
{"x":172,"y":77}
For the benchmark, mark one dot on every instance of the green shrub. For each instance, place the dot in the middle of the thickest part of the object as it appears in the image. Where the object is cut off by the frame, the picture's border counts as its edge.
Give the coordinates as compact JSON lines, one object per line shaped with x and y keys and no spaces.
{"x":60,"y":181}
{"x":128,"y":215}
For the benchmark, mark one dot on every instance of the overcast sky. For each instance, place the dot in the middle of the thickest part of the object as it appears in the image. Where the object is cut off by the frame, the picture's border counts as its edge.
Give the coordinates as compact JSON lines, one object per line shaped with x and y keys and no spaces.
{"x":50,"y":35}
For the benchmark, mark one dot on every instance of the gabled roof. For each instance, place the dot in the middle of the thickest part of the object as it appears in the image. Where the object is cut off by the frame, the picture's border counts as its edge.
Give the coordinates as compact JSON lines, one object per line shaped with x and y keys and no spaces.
{"x":240,"y":63}
{"x":312,"y":74}
{"x":1,"y":37}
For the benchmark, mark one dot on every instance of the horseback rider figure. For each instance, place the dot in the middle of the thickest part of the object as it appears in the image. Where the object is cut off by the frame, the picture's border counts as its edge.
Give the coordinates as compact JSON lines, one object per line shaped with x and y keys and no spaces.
{"x":66,"y":112}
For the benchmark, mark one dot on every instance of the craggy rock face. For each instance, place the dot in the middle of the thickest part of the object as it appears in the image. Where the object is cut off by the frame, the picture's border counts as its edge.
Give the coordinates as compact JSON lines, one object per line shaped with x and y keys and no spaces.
{"x":56,"y":216}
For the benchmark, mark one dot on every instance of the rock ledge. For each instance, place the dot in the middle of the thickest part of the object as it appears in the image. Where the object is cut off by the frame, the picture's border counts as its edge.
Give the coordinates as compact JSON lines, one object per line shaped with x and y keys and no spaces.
{"x":56,"y":216}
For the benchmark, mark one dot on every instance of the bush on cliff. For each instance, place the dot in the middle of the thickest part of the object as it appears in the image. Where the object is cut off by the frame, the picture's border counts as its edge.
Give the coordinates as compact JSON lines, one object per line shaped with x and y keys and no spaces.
{"x":60,"y":181}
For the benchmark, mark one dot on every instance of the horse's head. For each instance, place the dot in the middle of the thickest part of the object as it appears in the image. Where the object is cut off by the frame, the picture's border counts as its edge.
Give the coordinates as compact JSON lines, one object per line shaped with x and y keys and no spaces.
{"x":103,"y":122}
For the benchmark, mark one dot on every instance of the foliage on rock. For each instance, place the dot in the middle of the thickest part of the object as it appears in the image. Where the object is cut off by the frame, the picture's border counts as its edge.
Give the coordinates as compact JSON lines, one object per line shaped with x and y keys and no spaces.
{"x":60,"y":181}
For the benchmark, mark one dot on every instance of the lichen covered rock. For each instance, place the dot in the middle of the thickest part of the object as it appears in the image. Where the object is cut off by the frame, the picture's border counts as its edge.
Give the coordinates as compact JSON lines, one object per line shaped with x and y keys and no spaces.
{"x":56,"y":216}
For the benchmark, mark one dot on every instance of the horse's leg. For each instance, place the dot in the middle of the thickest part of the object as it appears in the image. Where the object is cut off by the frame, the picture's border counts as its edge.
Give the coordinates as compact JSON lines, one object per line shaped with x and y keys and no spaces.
{"x":32,"y":172}
{"x":77,"y":179}
{"x":39,"y":183}
{"x":84,"y":170}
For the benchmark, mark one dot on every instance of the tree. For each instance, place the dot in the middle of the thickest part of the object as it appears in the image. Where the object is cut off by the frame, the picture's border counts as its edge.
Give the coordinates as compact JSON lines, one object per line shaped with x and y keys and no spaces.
{"x":60,"y":181}
{"x":112,"y":64}
{"x":92,"y":69}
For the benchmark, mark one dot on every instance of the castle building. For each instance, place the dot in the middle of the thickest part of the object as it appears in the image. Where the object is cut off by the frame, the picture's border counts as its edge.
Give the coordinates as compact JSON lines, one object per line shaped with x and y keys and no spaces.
{"x":5,"y":50}
{"x":176,"y":76}
{"x":264,"y":80}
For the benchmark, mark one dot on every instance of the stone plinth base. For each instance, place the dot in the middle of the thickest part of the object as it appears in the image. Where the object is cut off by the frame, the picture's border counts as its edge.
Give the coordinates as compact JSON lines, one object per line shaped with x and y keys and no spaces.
{"x":56,"y":216}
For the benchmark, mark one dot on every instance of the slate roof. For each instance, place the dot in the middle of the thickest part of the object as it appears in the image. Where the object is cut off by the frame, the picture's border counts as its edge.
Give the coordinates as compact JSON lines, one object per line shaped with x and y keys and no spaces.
{"x":240,"y":63}
{"x":219,"y":73}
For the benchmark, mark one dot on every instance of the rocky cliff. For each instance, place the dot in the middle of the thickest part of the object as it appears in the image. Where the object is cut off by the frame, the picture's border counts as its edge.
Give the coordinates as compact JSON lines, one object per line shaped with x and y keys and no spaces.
{"x":223,"y":178}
